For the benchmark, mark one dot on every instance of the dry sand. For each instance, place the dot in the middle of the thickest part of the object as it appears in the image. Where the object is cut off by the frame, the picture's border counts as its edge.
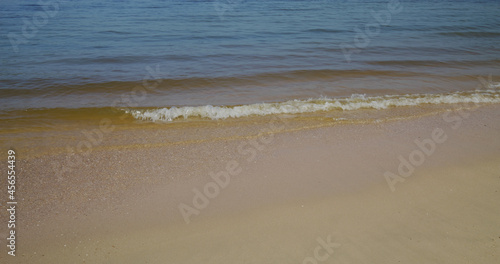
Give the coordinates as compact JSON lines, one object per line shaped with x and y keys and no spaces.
{"x":293,"y":187}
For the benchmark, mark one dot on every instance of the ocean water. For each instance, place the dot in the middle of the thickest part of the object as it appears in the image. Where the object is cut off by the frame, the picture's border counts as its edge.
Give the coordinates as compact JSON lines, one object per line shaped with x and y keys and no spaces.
{"x":169,"y":59}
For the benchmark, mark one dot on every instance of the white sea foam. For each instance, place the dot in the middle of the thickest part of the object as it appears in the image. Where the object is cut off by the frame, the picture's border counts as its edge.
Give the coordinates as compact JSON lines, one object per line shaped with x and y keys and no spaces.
{"x":355,"y":102}
{"x":494,"y":85}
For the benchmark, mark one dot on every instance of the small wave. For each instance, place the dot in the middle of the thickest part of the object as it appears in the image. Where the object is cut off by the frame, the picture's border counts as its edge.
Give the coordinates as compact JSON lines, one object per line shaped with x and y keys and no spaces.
{"x":325,"y":30}
{"x":44,"y":87}
{"x":425,"y":63}
{"x":114,"y":32}
{"x":471,"y":34}
{"x":433,"y":63}
{"x":355,"y":102}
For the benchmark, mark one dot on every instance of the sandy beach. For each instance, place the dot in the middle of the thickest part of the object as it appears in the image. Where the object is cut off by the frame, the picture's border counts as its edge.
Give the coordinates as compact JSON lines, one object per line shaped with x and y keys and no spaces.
{"x":231,"y":131}
{"x":281,"y":189}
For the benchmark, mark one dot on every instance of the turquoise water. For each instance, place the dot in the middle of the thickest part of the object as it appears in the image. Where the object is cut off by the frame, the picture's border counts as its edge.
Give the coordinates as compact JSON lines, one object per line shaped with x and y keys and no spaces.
{"x":75,"y":54}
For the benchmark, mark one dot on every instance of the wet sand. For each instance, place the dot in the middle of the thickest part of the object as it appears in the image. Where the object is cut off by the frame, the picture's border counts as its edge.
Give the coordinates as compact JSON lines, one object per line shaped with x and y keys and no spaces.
{"x":264,"y":190}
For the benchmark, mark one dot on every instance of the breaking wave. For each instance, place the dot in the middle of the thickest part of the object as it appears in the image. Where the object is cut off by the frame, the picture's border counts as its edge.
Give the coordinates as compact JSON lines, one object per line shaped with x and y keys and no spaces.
{"x":355,"y":102}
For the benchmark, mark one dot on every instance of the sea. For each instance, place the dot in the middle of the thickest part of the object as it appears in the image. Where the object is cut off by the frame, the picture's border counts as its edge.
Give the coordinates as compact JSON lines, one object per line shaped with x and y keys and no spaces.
{"x":168,"y":60}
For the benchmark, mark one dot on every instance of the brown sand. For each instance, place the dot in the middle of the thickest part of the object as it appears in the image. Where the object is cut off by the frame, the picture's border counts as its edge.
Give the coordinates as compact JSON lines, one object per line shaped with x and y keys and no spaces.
{"x":307,"y":182}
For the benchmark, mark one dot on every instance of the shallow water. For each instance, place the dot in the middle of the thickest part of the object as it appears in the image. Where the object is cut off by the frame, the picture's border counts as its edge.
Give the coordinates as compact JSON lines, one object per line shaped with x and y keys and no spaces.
{"x":94,"y":54}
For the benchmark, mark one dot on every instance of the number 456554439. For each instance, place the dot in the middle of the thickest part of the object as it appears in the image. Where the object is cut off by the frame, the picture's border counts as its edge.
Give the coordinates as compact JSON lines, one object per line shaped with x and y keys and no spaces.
{"x":11,"y":159}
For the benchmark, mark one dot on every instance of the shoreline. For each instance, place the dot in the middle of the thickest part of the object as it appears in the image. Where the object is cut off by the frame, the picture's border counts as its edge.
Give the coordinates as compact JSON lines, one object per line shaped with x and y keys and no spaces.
{"x":126,"y":200}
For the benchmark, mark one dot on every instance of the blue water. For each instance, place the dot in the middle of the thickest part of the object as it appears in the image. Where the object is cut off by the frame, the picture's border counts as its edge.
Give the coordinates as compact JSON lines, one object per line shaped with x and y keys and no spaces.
{"x":88,"y":53}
